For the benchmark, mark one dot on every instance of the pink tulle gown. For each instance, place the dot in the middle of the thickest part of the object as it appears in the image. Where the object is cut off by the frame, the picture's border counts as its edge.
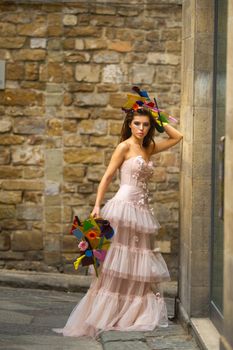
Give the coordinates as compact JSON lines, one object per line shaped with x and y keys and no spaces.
{"x":127,"y":295}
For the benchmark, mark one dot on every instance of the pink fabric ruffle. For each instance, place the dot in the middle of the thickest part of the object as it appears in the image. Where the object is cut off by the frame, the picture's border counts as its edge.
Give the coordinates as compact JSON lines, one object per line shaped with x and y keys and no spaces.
{"x":136,"y":264}
{"x":130,"y":215}
{"x":130,"y":308}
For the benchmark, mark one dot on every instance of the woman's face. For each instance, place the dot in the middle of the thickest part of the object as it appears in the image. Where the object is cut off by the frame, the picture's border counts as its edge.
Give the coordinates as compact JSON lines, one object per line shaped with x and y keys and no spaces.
{"x":140,"y":125}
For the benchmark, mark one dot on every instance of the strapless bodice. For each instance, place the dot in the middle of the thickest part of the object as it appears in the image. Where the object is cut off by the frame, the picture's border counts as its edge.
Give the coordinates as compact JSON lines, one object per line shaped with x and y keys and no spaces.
{"x":135,"y":171}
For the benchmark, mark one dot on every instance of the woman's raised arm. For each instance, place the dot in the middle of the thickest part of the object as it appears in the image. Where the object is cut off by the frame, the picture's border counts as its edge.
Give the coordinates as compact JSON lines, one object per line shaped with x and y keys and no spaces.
{"x":174,"y":137}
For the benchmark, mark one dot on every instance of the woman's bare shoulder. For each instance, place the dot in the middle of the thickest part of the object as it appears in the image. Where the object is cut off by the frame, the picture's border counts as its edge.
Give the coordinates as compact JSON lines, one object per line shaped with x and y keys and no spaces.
{"x":123,"y":147}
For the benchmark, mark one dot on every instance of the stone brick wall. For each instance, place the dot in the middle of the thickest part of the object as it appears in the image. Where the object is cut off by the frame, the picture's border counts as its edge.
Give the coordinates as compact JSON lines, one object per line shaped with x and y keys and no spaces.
{"x":68,"y":68}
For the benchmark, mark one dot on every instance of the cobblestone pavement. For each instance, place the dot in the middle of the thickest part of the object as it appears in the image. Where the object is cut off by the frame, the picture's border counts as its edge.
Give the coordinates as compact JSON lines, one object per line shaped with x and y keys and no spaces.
{"x":27,"y":316}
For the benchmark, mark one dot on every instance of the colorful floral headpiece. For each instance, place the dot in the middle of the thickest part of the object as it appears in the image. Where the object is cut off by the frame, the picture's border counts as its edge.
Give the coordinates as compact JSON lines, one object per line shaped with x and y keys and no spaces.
{"x":142,"y":100}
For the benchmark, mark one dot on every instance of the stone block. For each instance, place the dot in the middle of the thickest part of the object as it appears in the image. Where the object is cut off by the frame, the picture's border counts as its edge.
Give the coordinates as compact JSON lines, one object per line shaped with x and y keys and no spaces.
{"x":104,"y":10}
{"x":202,"y":164}
{"x":85,"y":188}
{"x":33,"y":172}
{"x":201,"y":195}
{"x":22,"y":185}
{"x":54,"y":126}
{"x":37,"y":28}
{"x":9,"y":172}
{"x":79,"y":31}
{"x":53,"y":228}
{"x":5,"y":242}
{"x":72,"y":140}
{"x":120,"y":46}
{"x":79,"y":44}
{"x":20,"y":97}
{"x":14,"y":71}
{"x":168,"y":159}
{"x":12,"y":43}
{"x":166,"y":74}
{"x":10,"y":197}
{"x":29,"y":212}
{"x":104,"y":141}
{"x":93,"y":127}
{"x":52,"y":258}
{"x":38,"y":43}
{"x":5,"y":156}
{"x":163,"y":58}
{"x":108,"y":87}
{"x":73,"y":199}
{"x":204,"y":52}
{"x":70,"y":20}
{"x":80,"y":87}
{"x":96,"y":175}
{"x":171,"y":34}
{"x":203,"y":89}
{"x":11,"y":139}
{"x":25,"y":125}
{"x":201,"y":120}
{"x":55,"y":30}
{"x":87,"y":73}
{"x":52,"y":243}
{"x":113,"y":73}
{"x":26,"y":240}
{"x":54,"y":44}
{"x":159,"y":174}
{"x":33,"y":197}
{"x":91,"y":99}
{"x":52,"y":188}
{"x":173,"y":46}
{"x":30,"y":155}
{"x":107,"y":20}
{"x":51,"y":200}
{"x":142,"y":74}
{"x":76,"y":57}
{"x":69,"y":43}
{"x":84,"y":156}
{"x":9,"y":255}
{"x":53,"y":214}
{"x":7,"y":29}
{"x":73,"y":173}
{"x":67,"y":214}
{"x":69,"y":244}
{"x":95,"y":44}
{"x":69,"y":126}
{"x":117,"y":100}
{"x":29,"y":55}
{"x":153,"y":35}
{"x":53,"y":159}
{"x":5,"y":125}
{"x":54,"y":99}
{"x":106,"y":57}
{"x":135,"y":57}
{"x":54,"y":72}
{"x":115,"y":128}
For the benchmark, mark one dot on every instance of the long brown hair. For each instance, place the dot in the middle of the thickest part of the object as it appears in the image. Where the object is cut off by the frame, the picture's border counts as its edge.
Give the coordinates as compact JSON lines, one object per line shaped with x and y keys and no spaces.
{"x":126,"y":131}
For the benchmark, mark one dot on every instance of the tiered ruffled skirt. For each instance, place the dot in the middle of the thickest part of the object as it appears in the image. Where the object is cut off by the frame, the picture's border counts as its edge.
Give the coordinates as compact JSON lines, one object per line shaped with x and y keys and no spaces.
{"x":127,"y":295}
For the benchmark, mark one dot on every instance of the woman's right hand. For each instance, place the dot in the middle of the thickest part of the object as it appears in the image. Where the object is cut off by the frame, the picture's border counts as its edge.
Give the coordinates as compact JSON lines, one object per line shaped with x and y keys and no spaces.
{"x":96,"y":211}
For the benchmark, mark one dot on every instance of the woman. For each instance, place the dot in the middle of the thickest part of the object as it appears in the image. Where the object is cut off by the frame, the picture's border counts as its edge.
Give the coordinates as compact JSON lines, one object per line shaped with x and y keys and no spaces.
{"x":121,"y":298}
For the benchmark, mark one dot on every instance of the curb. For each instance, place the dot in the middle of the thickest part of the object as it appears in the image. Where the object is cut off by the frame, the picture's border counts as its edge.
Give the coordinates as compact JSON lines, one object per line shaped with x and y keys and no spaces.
{"x":60,"y":281}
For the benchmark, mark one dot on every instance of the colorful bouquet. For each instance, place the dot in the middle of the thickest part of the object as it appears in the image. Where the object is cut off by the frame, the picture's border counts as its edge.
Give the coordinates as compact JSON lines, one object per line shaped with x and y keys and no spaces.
{"x":94,"y":240}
